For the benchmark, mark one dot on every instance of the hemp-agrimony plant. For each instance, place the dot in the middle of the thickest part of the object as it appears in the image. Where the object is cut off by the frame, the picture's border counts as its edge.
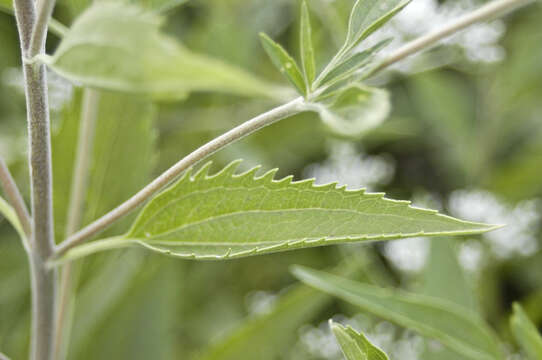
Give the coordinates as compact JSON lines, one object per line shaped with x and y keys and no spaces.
{"x":119,"y":47}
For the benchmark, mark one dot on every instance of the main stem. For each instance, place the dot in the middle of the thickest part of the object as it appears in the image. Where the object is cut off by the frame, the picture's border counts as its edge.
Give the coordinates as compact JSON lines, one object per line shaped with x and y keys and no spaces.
{"x":43,"y":279}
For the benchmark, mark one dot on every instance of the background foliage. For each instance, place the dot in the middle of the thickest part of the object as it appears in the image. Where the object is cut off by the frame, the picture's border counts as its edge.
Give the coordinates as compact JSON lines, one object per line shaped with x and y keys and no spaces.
{"x":463,"y":136}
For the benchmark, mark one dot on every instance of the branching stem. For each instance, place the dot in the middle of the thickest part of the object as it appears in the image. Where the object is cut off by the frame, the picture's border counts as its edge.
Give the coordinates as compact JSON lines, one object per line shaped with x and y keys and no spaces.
{"x":15,"y":198}
{"x":486,"y":12}
{"x":246,"y":128}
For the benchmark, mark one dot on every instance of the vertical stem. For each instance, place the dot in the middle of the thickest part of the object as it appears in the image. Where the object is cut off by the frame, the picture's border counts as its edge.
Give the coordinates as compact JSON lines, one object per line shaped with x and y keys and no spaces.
{"x":42,"y":242}
{"x":43,"y":280}
{"x":78,"y":193}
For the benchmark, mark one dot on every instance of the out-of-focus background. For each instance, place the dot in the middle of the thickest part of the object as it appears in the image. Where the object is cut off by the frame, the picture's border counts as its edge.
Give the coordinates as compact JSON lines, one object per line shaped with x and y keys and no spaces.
{"x":464,"y":137}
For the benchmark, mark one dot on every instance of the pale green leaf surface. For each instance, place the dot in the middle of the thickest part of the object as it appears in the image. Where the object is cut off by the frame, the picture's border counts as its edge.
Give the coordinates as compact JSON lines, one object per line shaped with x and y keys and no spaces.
{"x":284,"y":63}
{"x":120,"y":47}
{"x":307,"y":49}
{"x":9,"y":214}
{"x":353,"y":110}
{"x":354,"y":345}
{"x":368,"y":16}
{"x":526,"y":333}
{"x":455,"y":327}
{"x":230,"y":215}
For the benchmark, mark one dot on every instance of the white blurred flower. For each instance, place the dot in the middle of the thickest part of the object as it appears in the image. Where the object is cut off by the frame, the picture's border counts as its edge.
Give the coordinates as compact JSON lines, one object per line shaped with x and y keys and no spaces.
{"x":518,"y":237}
{"x":470,"y":255}
{"x":260,"y":302}
{"x":479,"y":41}
{"x":349,"y":167}
{"x":409,"y":255}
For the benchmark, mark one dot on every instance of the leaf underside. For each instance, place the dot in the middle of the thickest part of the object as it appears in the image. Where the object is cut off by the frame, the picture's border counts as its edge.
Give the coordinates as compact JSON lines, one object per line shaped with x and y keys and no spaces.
{"x":228,"y":215}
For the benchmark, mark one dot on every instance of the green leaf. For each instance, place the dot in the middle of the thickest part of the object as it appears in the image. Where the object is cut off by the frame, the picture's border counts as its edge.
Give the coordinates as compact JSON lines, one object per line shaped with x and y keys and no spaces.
{"x":117,"y":46}
{"x":368,"y":16}
{"x":526,"y":333}
{"x":7,"y":211}
{"x":354,"y":345}
{"x":353,"y":110}
{"x":267,"y":336}
{"x":284,"y":63}
{"x":264,"y":336}
{"x":353,"y":63}
{"x":307,"y":50}
{"x":443,"y":276}
{"x":455,"y":327}
{"x":226,"y":216}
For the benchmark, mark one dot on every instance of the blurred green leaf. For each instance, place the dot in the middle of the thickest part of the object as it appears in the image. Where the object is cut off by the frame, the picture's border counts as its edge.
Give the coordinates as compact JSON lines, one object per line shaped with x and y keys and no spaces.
{"x":443,"y":276}
{"x":368,"y":16}
{"x":265,"y":336}
{"x":255,"y":216}
{"x":284,"y":63}
{"x":117,"y":46}
{"x":526,"y":333}
{"x":354,"y":345}
{"x":353,"y":110}
{"x":307,"y":49}
{"x":7,"y":211}
{"x":456,"y":327}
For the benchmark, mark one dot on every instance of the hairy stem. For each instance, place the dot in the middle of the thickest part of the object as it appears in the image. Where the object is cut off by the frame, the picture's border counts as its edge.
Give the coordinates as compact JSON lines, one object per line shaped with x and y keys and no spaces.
{"x":484,"y":13}
{"x":257,"y":123}
{"x":43,"y":280}
{"x":39,"y":32}
{"x":15,"y":198}
{"x":70,"y":272}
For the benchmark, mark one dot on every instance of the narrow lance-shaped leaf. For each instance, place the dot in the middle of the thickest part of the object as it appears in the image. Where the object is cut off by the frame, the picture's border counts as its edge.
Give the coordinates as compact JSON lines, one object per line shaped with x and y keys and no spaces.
{"x":354,"y":345}
{"x":284,"y":63}
{"x":455,"y":327}
{"x":227,"y":216}
{"x":307,"y":49}
{"x":368,"y":16}
{"x":118,"y":46}
{"x":526,"y":333}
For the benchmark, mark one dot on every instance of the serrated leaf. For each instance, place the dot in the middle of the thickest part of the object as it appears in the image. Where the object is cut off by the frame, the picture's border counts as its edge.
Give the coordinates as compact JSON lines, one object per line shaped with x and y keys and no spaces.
{"x":526,"y":333}
{"x":9,"y":214}
{"x":353,"y":63}
{"x":307,"y":49}
{"x":354,"y":345}
{"x":353,"y":110}
{"x":284,"y":63}
{"x":455,"y":327}
{"x":230,"y":215}
{"x":368,"y":16}
{"x":117,"y":46}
